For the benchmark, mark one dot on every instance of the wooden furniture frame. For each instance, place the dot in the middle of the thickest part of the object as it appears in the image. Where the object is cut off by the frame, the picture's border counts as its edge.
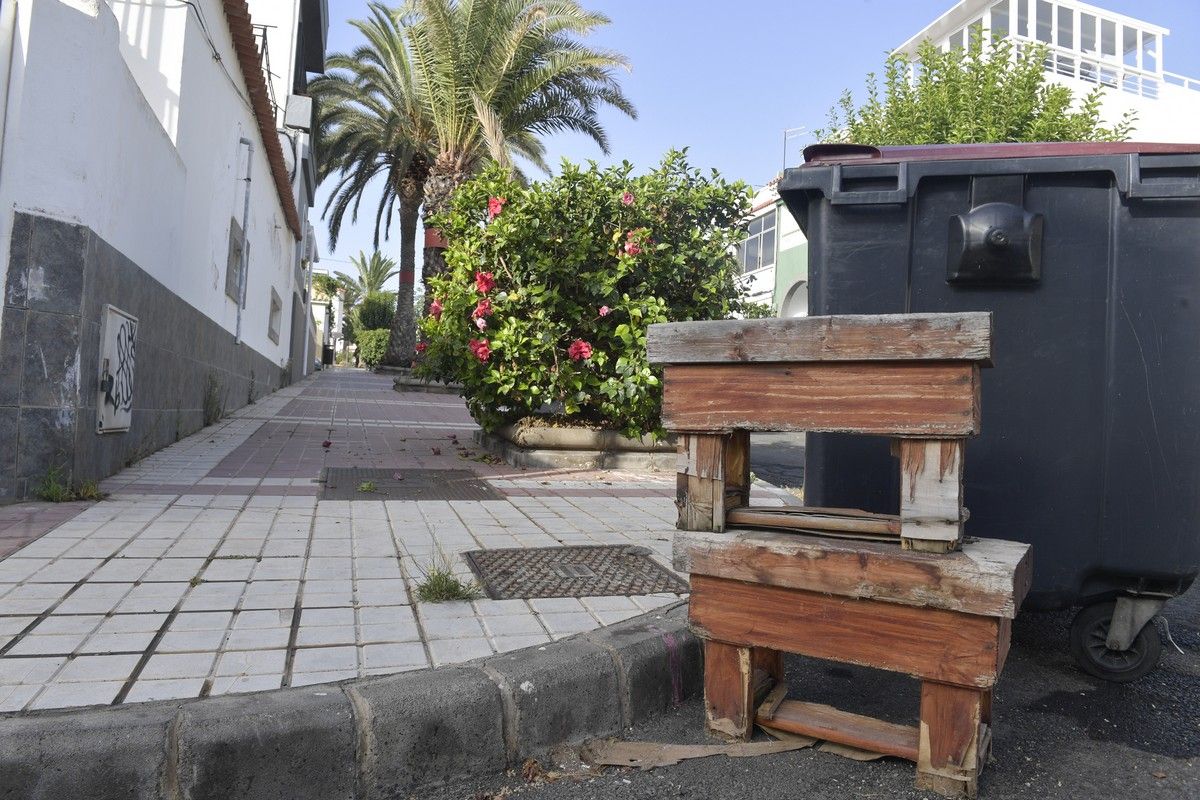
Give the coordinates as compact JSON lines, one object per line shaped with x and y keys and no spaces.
{"x":903,"y":593}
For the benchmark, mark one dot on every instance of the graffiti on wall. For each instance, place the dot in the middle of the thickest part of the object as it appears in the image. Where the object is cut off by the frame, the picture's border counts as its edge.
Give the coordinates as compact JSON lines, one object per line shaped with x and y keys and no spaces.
{"x":118,"y":356}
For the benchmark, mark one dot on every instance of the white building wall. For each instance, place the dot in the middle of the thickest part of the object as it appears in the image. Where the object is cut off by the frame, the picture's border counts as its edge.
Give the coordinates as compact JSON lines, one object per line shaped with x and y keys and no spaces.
{"x":85,"y":144}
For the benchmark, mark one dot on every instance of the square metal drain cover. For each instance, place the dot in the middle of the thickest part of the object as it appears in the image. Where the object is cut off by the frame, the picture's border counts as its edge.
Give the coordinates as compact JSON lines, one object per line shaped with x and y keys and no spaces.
{"x":355,"y":483}
{"x":523,"y":573}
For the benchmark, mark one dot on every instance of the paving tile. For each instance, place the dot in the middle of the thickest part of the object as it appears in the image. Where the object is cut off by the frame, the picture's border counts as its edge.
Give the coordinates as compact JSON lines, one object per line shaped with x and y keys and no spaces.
{"x":69,"y":695}
{"x":251,"y":662}
{"x":566,"y":624}
{"x":456,"y":651}
{"x":14,"y":698}
{"x":191,"y":641}
{"x":245,"y":683}
{"x":170,"y":689}
{"x":202,"y":621}
{"x":506,"y":644}
{"x":81,"y":624}
{"x":514,"y":625}
{"x":16,"y":671}
{"x":257,"y":638}
{"x":117,"y":642}
{"x":54,"y":644}
{"x":490,"y":608}
{"x":178,"y":665}
{"x":452,"y":628}
{"x":97,"y":668}
{"x":319,"y":617}
{"x":14,"y":625}
{"x":379,"y":615}
{"x":405,"y":656}
{"x":312,"y":678}
{"x":324,"y":659}
{"x":449,"y":610}
{"x":557,"y":605}
{"x":131,"y":623}
{"x":65,"y":570}
{"x":263,"y":619}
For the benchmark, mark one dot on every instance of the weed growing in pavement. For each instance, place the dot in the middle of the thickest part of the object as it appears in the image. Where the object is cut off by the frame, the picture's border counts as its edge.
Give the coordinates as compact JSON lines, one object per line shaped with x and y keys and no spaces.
{"x":53,"y":488}
{"x":367,"y":486}
{"x":440,"y":584}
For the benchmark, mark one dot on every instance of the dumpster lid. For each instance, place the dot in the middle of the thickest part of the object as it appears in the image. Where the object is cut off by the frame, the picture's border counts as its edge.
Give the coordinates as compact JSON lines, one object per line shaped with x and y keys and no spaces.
{"x":858,"y":153}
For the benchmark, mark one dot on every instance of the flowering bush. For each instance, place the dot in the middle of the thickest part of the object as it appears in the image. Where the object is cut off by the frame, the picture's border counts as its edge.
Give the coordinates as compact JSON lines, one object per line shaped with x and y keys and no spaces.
{"x":549,"y":288}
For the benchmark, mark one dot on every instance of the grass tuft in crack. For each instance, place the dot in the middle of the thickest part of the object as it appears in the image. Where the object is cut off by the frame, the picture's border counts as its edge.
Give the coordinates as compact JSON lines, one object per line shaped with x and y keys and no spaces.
{"x":367,"y":487}
{"x":440,"y":585}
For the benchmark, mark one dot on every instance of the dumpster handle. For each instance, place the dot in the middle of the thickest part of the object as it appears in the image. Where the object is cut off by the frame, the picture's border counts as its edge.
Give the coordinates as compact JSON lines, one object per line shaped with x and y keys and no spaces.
{"x":1141,"y":167}
{"x":898,"y":195}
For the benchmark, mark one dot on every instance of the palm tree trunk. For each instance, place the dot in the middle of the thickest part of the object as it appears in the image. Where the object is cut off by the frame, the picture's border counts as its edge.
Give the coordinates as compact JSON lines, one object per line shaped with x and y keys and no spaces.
{"x":447,"y":174}
{"x":402,"y":342}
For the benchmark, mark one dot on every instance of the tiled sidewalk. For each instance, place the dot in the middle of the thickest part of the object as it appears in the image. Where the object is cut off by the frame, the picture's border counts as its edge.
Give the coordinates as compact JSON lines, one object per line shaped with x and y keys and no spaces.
{"x":213,"y":568}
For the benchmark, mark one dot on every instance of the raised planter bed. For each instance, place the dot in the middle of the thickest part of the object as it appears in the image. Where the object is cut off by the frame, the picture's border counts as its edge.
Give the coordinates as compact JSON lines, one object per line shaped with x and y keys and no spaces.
{"x":406,"y":381}
{"x":562,"y":447}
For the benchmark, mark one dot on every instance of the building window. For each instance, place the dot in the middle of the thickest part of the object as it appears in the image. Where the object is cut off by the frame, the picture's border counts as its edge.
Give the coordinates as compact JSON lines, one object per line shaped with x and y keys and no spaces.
{"x":758,"y":250}
{"x":1129,"y":45}
{"x":1149,"y":52}
{"x":276,"y":317}
{"x":1066,"y":28}
{"x":1087,"y":33}
{"x":235,"y":262}
{"x":1108,"y":38}
{"x":1022,"y":17}
{"x":1000,"y":20}
{"x":1045,"y":21}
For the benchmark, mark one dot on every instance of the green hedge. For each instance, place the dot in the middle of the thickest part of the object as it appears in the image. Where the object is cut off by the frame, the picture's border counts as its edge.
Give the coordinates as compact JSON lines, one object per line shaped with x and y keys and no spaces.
{"x":372,"y":345}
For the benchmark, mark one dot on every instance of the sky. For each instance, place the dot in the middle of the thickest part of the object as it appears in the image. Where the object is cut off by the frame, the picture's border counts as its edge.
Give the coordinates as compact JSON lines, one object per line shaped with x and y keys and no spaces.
{"x":725,"y":78}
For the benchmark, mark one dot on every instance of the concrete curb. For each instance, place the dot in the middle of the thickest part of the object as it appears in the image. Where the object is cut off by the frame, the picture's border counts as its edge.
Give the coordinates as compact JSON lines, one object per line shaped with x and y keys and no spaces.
{"x":363,"y":739}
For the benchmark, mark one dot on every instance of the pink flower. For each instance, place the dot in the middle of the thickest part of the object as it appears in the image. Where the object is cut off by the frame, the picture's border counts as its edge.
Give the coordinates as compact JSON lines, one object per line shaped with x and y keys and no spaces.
{"x":627,"y":199}
{"x":579,"y":350}
{"x":483,"y":309}
{"x":480,"y":348}
{"x":481,"y":323}
{"x":421,"y":347}
{"x":495,"y":206}
{"x":435,"y":309}
{"x":632,"y":248}
{"x":605,"y":311}
{"x":484,"y":282}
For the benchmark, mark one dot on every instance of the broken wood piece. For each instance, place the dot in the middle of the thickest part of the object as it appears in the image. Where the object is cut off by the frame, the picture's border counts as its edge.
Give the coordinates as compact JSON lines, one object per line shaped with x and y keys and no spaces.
{"x":766,"y":709}
{"x":832,"y":724}
{"x":811,"y":519}
{"x":931,"y":494}
{"x":648,"y":755}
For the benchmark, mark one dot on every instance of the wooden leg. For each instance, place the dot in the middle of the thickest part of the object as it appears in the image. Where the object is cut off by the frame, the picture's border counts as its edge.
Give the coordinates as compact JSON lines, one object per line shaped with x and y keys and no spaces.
{"x":700,"y":482}
{"x":954,"y":738}
{"x":737,"y":470}
{"x":735,"y":678}
{"x":931,"y":491}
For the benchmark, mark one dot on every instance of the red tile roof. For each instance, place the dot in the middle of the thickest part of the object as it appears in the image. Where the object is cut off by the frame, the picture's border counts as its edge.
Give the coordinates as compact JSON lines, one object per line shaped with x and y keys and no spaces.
{"x":237,"y":14}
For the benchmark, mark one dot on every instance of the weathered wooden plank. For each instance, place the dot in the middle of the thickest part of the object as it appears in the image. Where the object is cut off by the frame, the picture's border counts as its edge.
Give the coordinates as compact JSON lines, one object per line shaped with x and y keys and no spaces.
{"x":988,"y":577}
{"x":930,"y":400}
{"x":737,"y":470}
{"x":930,"y":643}
{"x":931,"y":490}
{"x":889,"y":337}
{"x":952,"y":744}
{"x":832,"y":724}
{"x":813,"y":519}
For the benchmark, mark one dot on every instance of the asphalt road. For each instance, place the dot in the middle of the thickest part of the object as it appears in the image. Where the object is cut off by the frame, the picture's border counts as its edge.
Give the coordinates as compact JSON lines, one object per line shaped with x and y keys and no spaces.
{"x":1058,"y":733}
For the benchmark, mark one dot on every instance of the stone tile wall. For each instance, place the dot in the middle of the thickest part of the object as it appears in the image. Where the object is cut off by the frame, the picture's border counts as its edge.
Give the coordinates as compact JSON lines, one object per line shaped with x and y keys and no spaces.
{"x":61,"y":277}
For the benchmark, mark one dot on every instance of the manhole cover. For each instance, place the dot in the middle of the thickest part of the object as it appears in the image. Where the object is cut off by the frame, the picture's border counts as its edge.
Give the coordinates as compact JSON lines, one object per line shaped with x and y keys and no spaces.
{"x":522,"y":573}
{"x":354,"y":483}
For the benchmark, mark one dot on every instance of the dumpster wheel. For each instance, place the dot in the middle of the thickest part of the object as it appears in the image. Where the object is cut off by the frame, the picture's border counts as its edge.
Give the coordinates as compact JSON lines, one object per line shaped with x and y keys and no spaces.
{"x":1089,"y":646}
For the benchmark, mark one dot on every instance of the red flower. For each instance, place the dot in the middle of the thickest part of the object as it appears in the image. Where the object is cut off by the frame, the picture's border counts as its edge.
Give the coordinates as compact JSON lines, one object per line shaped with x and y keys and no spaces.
{"x":480,"y":348}
{"x":632,"y":248}
{"x":605,"y":311}
{"x":435,"y":309}
{"x":579,"y":350}
{"x":627,"y":199}
{"x":484,"y":282}
{"x":495,"y":206}
{"x":483,"y":309}
{"x":422,"y":347}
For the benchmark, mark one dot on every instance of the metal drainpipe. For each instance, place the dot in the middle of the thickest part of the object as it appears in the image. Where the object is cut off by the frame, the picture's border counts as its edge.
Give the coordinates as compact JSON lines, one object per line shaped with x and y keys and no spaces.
{"x":245,"y":239}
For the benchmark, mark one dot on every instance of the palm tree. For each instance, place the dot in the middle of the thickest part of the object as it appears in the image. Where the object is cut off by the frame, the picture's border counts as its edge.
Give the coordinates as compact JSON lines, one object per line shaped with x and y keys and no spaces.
{"x":373,"y":272}
{"x":373,"y":124}
{"x":497,"y":76}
